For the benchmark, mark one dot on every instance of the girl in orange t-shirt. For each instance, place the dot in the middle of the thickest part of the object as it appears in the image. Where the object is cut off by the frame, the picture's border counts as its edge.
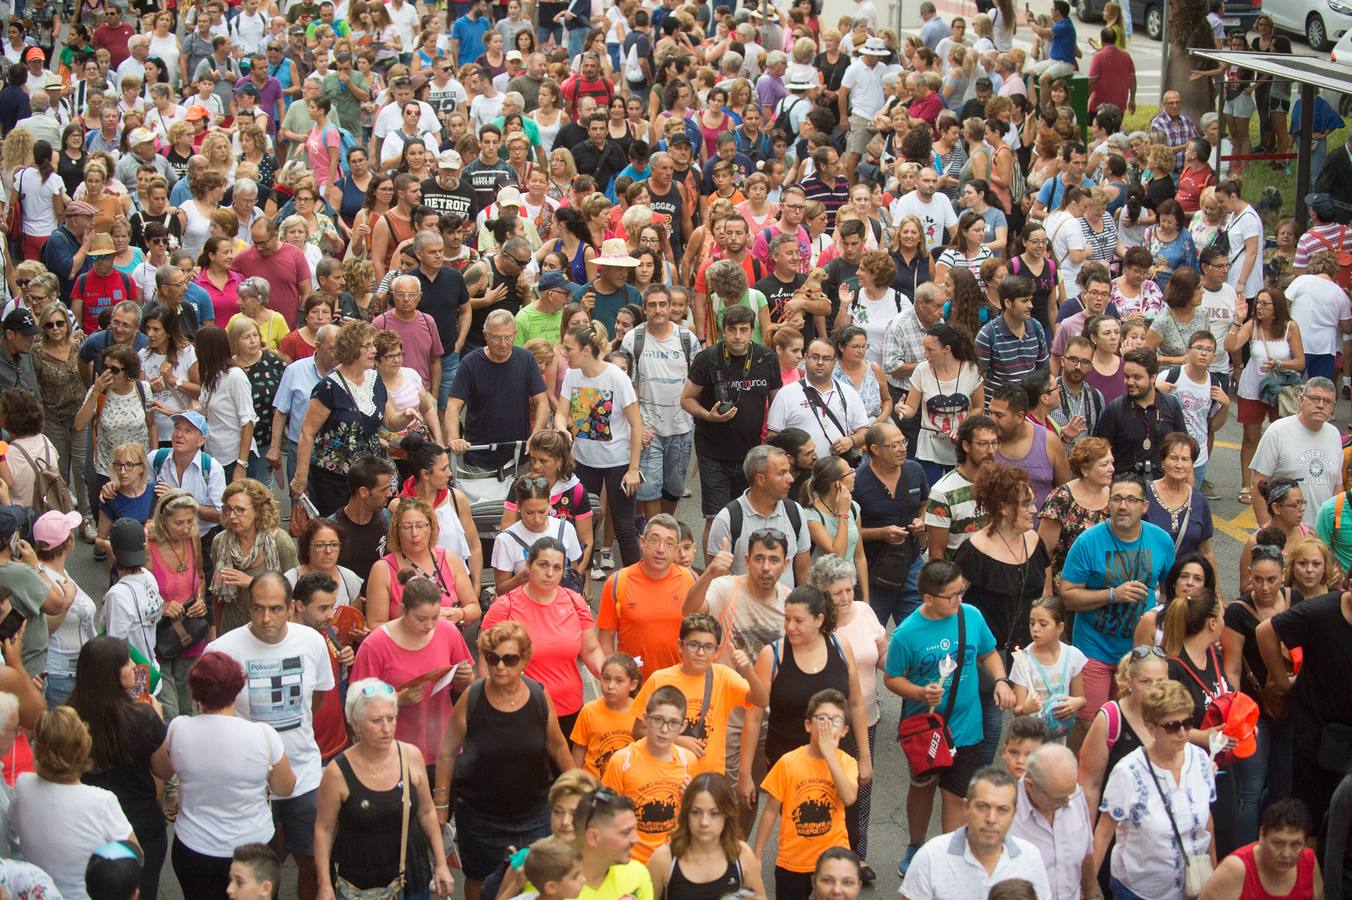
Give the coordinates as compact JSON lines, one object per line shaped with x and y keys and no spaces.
{"x":606,"y":724}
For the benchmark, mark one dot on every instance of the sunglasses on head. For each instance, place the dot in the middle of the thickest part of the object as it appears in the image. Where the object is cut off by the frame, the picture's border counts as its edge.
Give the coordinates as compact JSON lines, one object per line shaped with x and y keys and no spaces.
{"x":604,"y":797}
{"x":1143,"y":651}
{"x":510,"y":660}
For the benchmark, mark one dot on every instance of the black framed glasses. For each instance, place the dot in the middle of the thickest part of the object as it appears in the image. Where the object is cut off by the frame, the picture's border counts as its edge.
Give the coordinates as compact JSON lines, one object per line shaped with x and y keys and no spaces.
{"x":510,"y":660}
{"x":116,"y":370}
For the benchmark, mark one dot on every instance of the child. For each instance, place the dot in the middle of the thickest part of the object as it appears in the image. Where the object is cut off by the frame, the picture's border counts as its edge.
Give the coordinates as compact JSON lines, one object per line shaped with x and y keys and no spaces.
{"x":254,"y":872}
{"x":607,"y":723}
{"x":1048,"y":669}
{"x":815,"y":782}
{"x":1026,"y":734}
{"x":554,"y":867}
{"x":653,"y":771}
{"x":685,"y":549}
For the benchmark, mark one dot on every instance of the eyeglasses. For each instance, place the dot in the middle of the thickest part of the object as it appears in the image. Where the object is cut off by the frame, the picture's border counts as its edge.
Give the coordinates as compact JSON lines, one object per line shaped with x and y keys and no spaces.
{"x":406,"y":295}
{"x":662,"y":723}
{"x":950,"y":597}
{"x":1077,"y":361}
{"x":985,"y":445}
{"x":1319,"y":401}
{"x":510,"y":660}
{"x":305,"y":199}
{"x":394,"y":354}
{"x":828,"y":719}
{"x":500,"y":338}
{"x":1125,"y":498}
{"x":1175,"y":726}
{"x":116,"y":370}
{"x":1203,"y":349}
{"x":820,"y":358}
{"x":699,"y":647}
{"x":326,"y":546}
{"x":1142,"y":651}
{"x":231,"y":512}
{"x":54,"y":325}
{"x":126,"y":466}
{"x":414,"y":527}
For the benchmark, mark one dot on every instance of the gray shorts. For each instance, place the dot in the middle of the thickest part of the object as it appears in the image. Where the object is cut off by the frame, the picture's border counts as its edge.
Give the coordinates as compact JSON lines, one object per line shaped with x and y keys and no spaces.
{"x":664,"y":464}
{"x":861,"y":132}
{"x":733,"y":756}
{"x":294,"y":819}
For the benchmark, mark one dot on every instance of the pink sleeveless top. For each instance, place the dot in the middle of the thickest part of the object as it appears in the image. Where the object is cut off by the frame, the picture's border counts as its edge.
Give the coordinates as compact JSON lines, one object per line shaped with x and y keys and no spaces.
{"x":443,"y":576}
{"x":176,"y":586}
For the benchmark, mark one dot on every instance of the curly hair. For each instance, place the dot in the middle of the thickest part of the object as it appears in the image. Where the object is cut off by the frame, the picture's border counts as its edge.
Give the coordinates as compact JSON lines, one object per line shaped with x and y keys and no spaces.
{"x":1087,"y":452}
{"x":998,"y":485}
{"x":351,"y":336}
{"x":727,"y":279}
{"x":260,"y":498}
{"x":880,"y":267}
{"x":407,"y":506}
{"x":509,"y":630}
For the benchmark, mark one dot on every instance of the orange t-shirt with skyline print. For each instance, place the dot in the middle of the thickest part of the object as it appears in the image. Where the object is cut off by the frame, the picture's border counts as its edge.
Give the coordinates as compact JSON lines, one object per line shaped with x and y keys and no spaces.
{"x":602,"y":731}
{"x":655,"y":787}
{"x":811,"y":817}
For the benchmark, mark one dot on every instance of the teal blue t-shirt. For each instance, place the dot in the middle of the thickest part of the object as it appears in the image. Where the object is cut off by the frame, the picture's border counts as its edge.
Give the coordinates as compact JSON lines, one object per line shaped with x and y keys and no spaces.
{"x":917,"y":646}
{"x":1098,"y":560}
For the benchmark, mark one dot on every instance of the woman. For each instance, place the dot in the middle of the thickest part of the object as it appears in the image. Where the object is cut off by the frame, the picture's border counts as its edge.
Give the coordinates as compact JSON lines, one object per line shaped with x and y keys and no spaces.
{"x":1192,"y":631}
{"x":832,"y":515}
{"x":429,"y":480}
{"x":945,"y":387}
{"x":371,"y":796}
{"x":97,"y":195}
{"x":126,"y":741}
{"x":1207,"y":223}
{"x":548,"y":119}
{"x":1285,"y":504}
{"x":404,"y":385}
{"x":909,"y":256}
{"x":854,"y":366}
{"x":42,"y":195}
{"x":818,"y":237}
{"x":320,"y":231}
{"x":1182,"y":317}
{"x":1275,"y":351}
{"x":226,"y":769}
{"x":976,"y":196}
{"x":607,"y":437}
{"x":30,"y":451}
{"x":1098,"y":230}
{"x":1268,"y":769}
{"x":175,"y":560}
{"x":1119,"y":727}
{"x":1189,"y":574}
{"x":412,"y":545}
{"x":1134,"y":294}
{"x":249,"y":544}
{"x":809,"y":658}
{"x":352,"y":191}
{"x":226,"y":400}
{"x":253,"y":142}
{"x":60,"y":820}
{"x":706,"y":852}
{"x":712,"y":121}
{"x":343,"y":420}
{"x":118,"y":406}
{"x":1170,"y":245}
{"x":56,"y":359}
{"x":253,"y":294}
{"x":1174,"y":504}
{"x":168,"y":358}
{"x":1106,"y":369}
{"x":1035,"y":263}
{"x":129,"y":494}
{"x":318,"y":548}
{"x":1080,"y":503}
{"x":968,"y":250}
{"x":1311,"y":570}
{"x":70,"y":160}
{"x":503,"y":732}
{"x":875,"y":303}
{"x":572,"y":239}
{"x":562,"y":171}
{"x":757,"y":209}
{"x":1166,"y":786}
{"x":379,"y":200}
{"x":126,"y":258}
{"x":788,"y":346}
{"x":206,"y":192}
{"x":317,"y":312}
{"x":858,"y":627}
{"x":263,"y":369}
{"x":75,"y":624}
{"x":217,"y":278}
{"x":1161,"y":185}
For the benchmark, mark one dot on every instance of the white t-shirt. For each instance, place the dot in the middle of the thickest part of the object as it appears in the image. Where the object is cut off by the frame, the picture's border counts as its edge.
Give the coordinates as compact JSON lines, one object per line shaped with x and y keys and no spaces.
{"x":78,"y":627}
{"x":791,"y":409}
{"x":405,"y":18}
{"x":1195,"y":398}
{"x":391,"y":117}
{"x":279,"y":681}
{"x":937,"y":216}
{"x":229,"y":406}
{"x":223,"y":763}
{"x":510,"y":556}
{"x":484,"y":109}
{"x":39,"y":217}
{"x":866,"y":87}
{"x":875,"y":315}
{"x":1318,"y":305}
{"x":150,"y":365}
{"x":1240,"y":227}
{"x":1220,"y":306}
{"x":1288,"y":449}
{"x":1068,"y":664}
{"x":394,"y":143}
{"x":662,"y":371}
{"x":131,"y":610}
{"x":596,"y":408}
{"x":944,"y":405}
{"x":60,"y":825}
{"x":349,"y":585}
{"x":1065,"y":234}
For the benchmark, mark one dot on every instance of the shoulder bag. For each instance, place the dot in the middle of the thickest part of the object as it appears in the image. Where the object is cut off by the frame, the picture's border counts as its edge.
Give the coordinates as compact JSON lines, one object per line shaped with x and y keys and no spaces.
{"x":924,"y":737}
{"x":1197,"y":867}
{"x":14,"y":214}
{"x":345,"y":890}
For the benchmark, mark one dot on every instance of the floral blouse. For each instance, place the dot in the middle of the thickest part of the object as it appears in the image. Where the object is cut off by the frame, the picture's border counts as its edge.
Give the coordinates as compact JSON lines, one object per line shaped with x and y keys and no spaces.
{"x":264,"y":378}
{"x":352,"y":430}
{"x":121,"y":419}
{"x":1062,"y":506}
{"x":1147,"y":303}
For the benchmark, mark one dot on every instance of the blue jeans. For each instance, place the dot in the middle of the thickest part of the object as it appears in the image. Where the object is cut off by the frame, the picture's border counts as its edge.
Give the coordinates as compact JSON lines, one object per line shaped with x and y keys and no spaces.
{"x":664,"y":464}
{"x":992,"y":723}
{"x":289,"y":449}
{"x":57,"y":689}
{"x":450,"y":364}
{"x":1265,"y":774}
{"x":1122,"y":892}
{"x":577,"y":38}
{"x":258,"y":469}
{"x":1200,"y":473}
{"x":892,"y":603}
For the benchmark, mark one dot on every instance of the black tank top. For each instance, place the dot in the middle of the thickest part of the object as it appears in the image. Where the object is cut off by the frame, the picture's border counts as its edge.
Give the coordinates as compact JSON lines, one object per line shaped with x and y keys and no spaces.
{"x":365,"y":847}
{"x":681,"y":888}
{"x":511,"y":302}
{"x":1127,"y":741}
{"x":504,"y":770}
{"x":791,"y":689}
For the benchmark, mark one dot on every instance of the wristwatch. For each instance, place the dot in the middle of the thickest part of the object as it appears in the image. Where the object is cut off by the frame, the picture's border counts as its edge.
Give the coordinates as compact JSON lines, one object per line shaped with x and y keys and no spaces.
{"x":1006,"y":682}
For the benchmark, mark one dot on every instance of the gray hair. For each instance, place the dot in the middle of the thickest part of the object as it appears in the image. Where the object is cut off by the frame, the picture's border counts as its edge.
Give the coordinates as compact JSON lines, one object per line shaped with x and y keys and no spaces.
{"x":1207,"y":120}
{"x":727,"y":279}
{"x":417,"y":285}
{"x":134,"y":308}
{"x":891,"y":79}
{"x":1142,"y":136}
{"x":758,"y":460}
{"x":827,"y":570}
{"x":927,"y":7}
{"x":137,"y":40}
{"x":40,"y":102}
{"x":166,"y":273}
{"x":662,"y":520}
{"x":732,"y":61}
{"x":927,"y":292}
{"x":775,"y":57}
{"x":1318,"y":383}
{"x":257,"y":287}
{"x":326,"y":331}
{"x":778,"y":242}
{"x":9,"y":706}
{"x":1047,"y":757}
{"x":159,"y":90}
{"x":245,"y":186}
{"x":423,"y":239}
{"x":499,"y":317}
{"x":516,"y":246}
{"x":514,"y":97}
{"x":360,"y":694}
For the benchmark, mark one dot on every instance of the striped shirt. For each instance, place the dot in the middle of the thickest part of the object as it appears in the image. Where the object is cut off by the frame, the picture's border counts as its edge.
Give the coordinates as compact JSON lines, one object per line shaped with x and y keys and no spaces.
{"x":1006,"y":358}
{"x":833,"y":197}
{"x":952,"y":506}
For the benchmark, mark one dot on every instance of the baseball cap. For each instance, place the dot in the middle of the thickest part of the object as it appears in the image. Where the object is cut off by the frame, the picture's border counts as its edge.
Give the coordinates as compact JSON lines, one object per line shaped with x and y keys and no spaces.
{"x":984,"y":84}
{"x":515,"y":54}
{"x":15,"y":519}
{"x":247,"y":88}
{"x":556,"y":281}
{"x":52,"y":528}
{"x":34,"y":53}
{"x":194,"y":113}
{"x":679,"y":138}
{"x":128,"y":538}
{"x":21,"y":320}
{"x":193,"y":418}
{"x":1322,"y":204}
{"x":450,"y":159}
{"x":140,"y":136}
{"x":509,"y":196}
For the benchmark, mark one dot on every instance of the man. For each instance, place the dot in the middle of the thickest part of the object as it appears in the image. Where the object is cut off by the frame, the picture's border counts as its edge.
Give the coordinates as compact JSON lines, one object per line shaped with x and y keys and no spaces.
{"x":636,"y":54}
{"x":391,"y":115}
{"x":171,"y":284}
{"x":282,"y":266}
{"x":134,"y":66}
{"x":641,"y":605}
{"x":904,"y":338}
{"x":1319,"y":306}
{"x":861,"y":97}
{"x":221,"y":68}
{"x":123,"y":328}
{"x":312,"y":607}
{"x":730,"y":386}
{"x":984,"y":851}
{"x":417,"y":330}
{"x":197,"y":46}
{"x":788,"y":116}
{"x":751,"y":140}
{"x":1013,"y":344}
{"x":544,"y":317}
{"x":939,"y":223}
{"x":1025,"y":444}
{"x":41,"y":123}
{"x":1335,"y":179}
{"x":1052,"y":815}
{"x":17,"y":334}
{"x":770,"y":87}
{"x":793,"y":202}
{"x":1074,"y":159}
{"x":661,"y":351}
{"x":587,"y":83}
{"x":1279,"y":864}
{"x":365,"y":519}
{"x":186,"y":466}
{"x":606,"y":832}
{"x":890,"y":492}
{"x":1081,"y":403}
{"x":1062,"y":52}
{"x":829,"y":410}
{"x":269,"y":90}
{"x":1109,"y":579}
{"x":952,"y":515}
{"x":1095,"y":287}
{"x":976,"y":107}
{"x":726,"y":149}
{"x":293,"y":397}
{"x":1305,"y":447}
{"x":287,"y":671}
{"x":1176,"y":126}
{"x":488,"y":102}
{"x":1223,"y":308}
{"x":912,"y":671}
{"x":1324,"y":234}
{"x":249,"y":29}
{"x":497,"y":283}
{"x":489,"y":171}
{"x":467,"y":33}
{"x":765,"y":504}
{"x":1203,"y":398}
{"x":102,"y":287}
{"x":141,"y":143}
{"x":445,"y":298}
{"x":826,"y":184}
{"x":787,"y":305}
{"x":1112,"y":75}
{"x":114,"y":35}
{"x":444,"y":91}
{"x":610,"y":290}
{"x":500,"y":390}
{"x":107,"y":138}
{"x":1137,"y":422}
{"x":599,"y":156}
{"x":672,"y":208}
{"x":956,"y":37}
{"x":934,"y":28}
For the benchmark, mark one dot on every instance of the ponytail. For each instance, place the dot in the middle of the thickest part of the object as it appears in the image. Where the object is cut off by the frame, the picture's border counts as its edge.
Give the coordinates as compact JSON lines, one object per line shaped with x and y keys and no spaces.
{"x":1185,"y":617}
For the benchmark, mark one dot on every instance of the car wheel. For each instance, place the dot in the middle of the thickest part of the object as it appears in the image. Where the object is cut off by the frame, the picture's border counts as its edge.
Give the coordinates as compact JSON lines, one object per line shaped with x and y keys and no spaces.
{"x":1154,"y":22}
{"x":1083,"y":11}
{"x":1316,"y":35}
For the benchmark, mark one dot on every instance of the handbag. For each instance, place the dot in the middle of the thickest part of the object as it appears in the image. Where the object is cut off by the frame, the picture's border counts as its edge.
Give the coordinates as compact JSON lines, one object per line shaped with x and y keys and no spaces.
{"x":1197,"y":867}
{"x":174,"y":637}
{"x":1275,"y":703}
{"x":346,"y":890}
{"x":14,"y":214}
{"x":924,"y":737}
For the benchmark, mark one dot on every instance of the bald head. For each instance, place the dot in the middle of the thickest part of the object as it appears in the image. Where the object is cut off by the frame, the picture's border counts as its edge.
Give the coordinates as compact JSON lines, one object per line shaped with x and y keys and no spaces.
{"x":1054,"y":771}
{"x":40,"y":102}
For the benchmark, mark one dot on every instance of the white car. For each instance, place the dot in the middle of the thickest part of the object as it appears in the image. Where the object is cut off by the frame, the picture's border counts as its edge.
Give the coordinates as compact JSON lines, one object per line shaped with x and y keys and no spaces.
{"x":1319,"y":22}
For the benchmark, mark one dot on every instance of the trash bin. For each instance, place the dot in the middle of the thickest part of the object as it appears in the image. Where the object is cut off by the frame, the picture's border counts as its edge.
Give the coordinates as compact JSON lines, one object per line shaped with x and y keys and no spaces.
{"x":1079,"y":101}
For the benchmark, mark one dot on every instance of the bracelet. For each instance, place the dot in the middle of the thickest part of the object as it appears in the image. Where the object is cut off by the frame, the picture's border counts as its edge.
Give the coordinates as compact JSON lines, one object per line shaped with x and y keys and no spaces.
{"x":446,"y":789}
{"x":441,"y":806}
{"x":1111,"y":589}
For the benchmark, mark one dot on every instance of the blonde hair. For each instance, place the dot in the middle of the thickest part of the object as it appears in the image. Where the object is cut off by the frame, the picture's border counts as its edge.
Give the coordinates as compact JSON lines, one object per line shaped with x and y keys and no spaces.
{"x":169,"y":503}
{"x":260,"y":498}
{"x":236,"y":328}
{"x":62,"y":745}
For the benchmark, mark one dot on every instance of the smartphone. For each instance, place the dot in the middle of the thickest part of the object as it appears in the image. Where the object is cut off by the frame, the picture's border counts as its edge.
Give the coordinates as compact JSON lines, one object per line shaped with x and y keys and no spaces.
{"x":11,"y":624}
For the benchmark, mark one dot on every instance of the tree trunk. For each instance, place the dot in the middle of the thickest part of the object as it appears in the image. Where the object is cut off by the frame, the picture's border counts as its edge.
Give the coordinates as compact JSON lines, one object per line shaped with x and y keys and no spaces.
{"x":1186,"y":28}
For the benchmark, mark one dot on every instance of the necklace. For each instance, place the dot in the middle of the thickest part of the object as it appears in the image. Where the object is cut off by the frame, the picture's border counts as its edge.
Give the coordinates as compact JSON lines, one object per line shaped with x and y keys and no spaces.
{"x":512,"y":701}
{"x":182,"y":563}
{"x":374,"y":772}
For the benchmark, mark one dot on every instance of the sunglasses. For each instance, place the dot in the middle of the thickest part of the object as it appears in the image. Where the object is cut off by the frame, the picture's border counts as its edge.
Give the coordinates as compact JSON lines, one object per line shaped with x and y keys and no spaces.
{"x":1175,"y":726}
{"x":1143,"y":651}
{"x":510,"y":660}
{"x":375,"y":690}
{"x":116,"y":370}
{"x":599,"y":797}
{"x":23,"y":282}
{"x":53,"y":325}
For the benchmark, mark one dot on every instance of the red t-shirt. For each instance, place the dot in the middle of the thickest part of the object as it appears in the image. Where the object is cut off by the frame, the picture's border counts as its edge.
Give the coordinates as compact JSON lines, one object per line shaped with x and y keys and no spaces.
{"x":114,"y":40}
{"x":556,"y":640}
{"x":1191,"y":183}
{"x":330,"y":733}
{"x":283,"y":271}
{"x":927,"y":108}
{"x":100,"y":292}
{"x":1113,"y":69}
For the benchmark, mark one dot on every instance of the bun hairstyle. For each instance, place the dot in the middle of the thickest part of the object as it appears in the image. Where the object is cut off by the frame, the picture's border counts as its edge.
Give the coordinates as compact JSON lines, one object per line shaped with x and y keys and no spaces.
{"x":419,"y":590}
{"x":591,"y":335}
{"x":421,"y":452}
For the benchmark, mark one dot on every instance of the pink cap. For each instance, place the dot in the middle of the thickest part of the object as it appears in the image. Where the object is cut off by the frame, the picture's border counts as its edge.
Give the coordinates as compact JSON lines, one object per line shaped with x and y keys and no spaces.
{"x":52,"y":528}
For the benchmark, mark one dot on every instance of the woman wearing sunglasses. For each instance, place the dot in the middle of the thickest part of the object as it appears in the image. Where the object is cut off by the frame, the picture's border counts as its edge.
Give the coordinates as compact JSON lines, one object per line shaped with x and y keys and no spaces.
{"x":119,"y":406}
{"x":1119,"y":724}
{"x":502,"y":744}
{"x":1152,"y":792}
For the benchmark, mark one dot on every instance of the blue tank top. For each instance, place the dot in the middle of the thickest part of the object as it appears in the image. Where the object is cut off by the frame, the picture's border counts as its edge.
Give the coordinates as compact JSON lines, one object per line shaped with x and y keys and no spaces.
{"x":353,"y":198}
{"x":282,"y":72}
{"x":577,"y":267}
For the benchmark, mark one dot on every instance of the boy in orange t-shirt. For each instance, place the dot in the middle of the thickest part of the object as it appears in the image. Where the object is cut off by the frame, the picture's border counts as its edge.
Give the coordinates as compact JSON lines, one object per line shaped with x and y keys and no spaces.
{"x":653,"y":771}
{"x":706,"y":731}
{"x":812,"y":785}
{"x":607,"y":723}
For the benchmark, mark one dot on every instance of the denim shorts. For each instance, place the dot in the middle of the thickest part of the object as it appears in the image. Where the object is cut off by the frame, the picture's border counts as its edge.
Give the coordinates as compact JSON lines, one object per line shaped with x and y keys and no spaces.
{"x":483,"y":841}
{"x":719,"y":483}
{"x":294,"y":817}
{"x":664,"y":464}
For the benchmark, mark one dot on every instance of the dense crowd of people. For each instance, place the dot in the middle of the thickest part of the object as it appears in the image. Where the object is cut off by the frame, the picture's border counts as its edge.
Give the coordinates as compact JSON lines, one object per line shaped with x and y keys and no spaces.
{"x":285,"y":287}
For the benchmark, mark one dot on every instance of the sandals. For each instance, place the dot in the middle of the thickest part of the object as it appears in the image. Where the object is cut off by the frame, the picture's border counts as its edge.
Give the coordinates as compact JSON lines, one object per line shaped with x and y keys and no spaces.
{"x":1245,"y":496}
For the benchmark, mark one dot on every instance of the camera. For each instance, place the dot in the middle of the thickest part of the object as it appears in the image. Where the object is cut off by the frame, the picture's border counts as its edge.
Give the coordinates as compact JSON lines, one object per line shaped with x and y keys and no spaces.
{"x":724,"y":397}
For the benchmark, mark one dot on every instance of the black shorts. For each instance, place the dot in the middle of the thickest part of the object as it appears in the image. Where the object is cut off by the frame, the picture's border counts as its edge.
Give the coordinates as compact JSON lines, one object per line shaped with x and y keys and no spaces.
{"x":956,"y":777}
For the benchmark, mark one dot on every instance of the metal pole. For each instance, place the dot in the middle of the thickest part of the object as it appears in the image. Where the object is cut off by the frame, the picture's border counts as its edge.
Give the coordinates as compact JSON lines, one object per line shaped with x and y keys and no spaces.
{"x":1220,"y":126}
{"x":1303,"y":150}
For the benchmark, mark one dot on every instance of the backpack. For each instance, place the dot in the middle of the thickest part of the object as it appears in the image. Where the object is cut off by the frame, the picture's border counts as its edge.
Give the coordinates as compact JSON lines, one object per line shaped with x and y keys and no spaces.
{"x":572,"y":578}
{"x":735,"y":516}
{"x":783,"y":120}
{"x":160,"y":456}
{"x":1344,"y":277}
{"x":640,"y":334}
{"x":345,"y":143}
{"x":50,"y":492}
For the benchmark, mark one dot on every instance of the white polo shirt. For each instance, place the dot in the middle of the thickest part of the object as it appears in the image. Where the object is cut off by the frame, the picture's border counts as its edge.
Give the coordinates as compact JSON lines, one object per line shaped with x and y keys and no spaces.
{"x":206,"y":486}
{"x":792,"y":409}
{"x":945,"y":869}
